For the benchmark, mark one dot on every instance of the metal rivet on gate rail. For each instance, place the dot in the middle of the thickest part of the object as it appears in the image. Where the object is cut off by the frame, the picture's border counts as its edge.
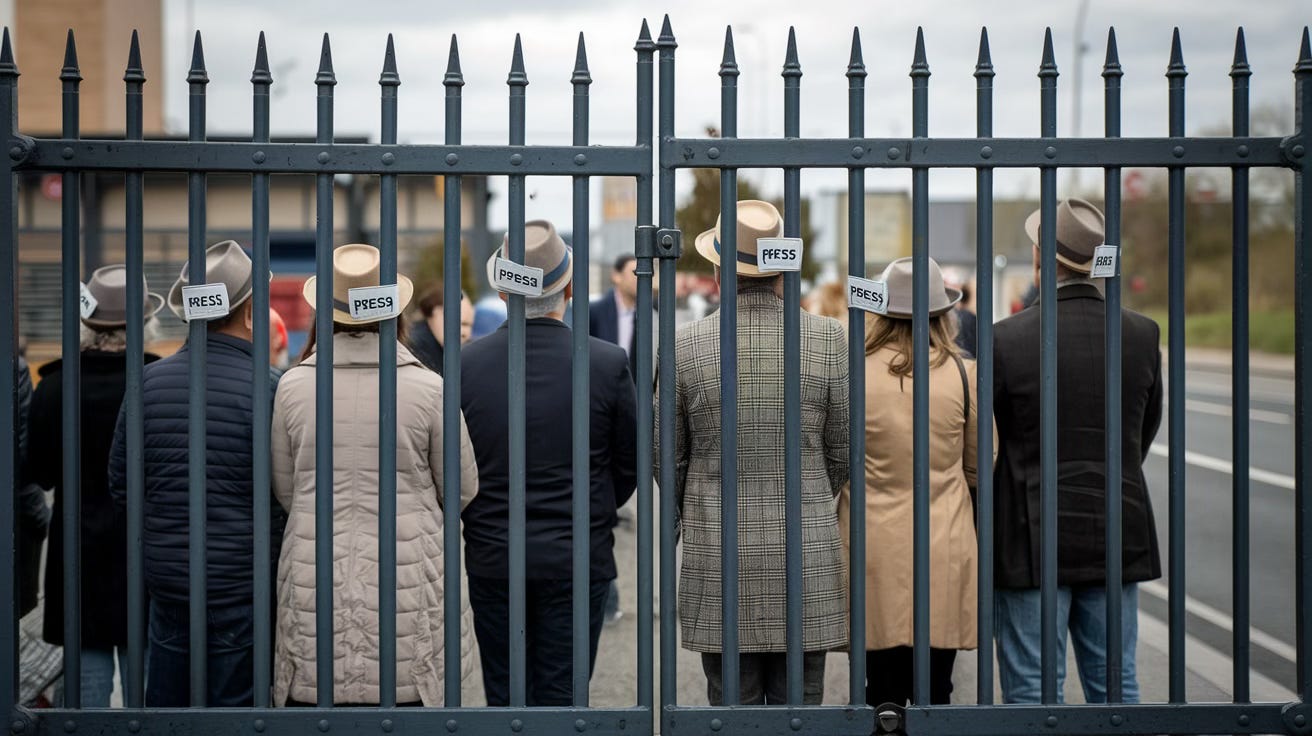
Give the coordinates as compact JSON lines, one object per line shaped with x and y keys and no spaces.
{"x":1297,"y":151}
{"x":1178,"y":151}
{"x":259,"y":725}
{"x":1300,"y":720}
{"x":134,"y":726}
{"x":1052,"y":721}
{"x":1117,"y":719}
{"x":796,"y":724}
{"x":70,"y":726}
{"x":16,"y":152}
{"x":386,"y":725}
{"x":716,"y":724}
{"x":258,"y":157}
{"x":986,"y":152}
{"x":516,"y":725}
{"x":67,"y":152}
{"x":858,"y":151}
{"x":17,"y":726}
{"x":323,"y":725}
{"x":1050,"y":152}
{"x":580,"y":725}
{"x":580,"y":160}
{"x":516,"y":159}
{"x":452,"y":159}
{"x":893,"y":153}
{"x":389,"y":158}
{"x":1243,"y":152}
{"x":324,"y":157}
{"x":1244,"y":719}
{"x":712,"y":152}
{"x":451,"y":725}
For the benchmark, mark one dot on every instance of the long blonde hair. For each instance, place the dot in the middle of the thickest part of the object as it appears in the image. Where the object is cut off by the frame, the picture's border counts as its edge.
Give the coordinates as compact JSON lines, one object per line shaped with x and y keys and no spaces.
{"x":896,"y":333}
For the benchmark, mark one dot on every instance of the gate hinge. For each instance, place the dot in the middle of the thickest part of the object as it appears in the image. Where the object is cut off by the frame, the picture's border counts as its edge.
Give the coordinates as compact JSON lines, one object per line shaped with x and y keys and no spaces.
{"x":21,"y":148}
{"x":653,"y":242}
{"x":21,"y":723}
{"x":890,"y":719}
{"x":1297,"y":718}
{"x":1293,"y":149}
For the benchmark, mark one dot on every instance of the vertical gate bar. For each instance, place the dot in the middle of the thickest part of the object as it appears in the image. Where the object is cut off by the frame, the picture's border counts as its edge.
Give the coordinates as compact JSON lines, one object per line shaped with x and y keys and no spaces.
{"x":645,"y":48}
{"x":197,"y":514}
{"x":71,"y":418}
{"x":134,"y":417}
{"x":792,"y":74}
{"x":8,"y":366}
{"x":729,"y":381}
{"x":517,"y":390}
{"x":1048,"y":389}
{"x":666,"y":45}
{"x":984,"y":371}
{"x":388,"y":82}
{"x":262,"y":385}
{"x":1175,"y":402}
{"x":324,"y":81}
{"x":1111,"y":73}
{"x":582,"y":502}
{"x":1239,"y":74}
{"x":1303,"y":361}
{"x":920,"y":371}
{"x":856,"y":357}
{"x":451,"y":252}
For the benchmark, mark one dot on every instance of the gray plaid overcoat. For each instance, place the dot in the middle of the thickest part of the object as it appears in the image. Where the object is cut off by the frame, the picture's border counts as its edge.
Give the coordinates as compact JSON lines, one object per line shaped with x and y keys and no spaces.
{"x":761,"y":586}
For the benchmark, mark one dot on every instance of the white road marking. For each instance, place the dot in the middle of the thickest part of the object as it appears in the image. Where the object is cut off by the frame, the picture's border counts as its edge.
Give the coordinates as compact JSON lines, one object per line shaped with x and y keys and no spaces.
{"x":1212,"y":615}
{"x":1208,"y":462}
{"x":1224,"y":410}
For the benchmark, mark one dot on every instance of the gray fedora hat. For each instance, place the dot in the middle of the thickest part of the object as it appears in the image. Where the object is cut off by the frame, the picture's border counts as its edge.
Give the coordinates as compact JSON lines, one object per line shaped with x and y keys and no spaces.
{"x":225,"y":263}
{"x":897,"y":278}
{"x":109,"y":286}
{"x":544,"y":249}
{"x":1079,"y":231}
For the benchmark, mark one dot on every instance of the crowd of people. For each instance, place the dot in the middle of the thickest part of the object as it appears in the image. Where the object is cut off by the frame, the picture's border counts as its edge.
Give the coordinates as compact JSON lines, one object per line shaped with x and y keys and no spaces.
{"x":487,"y":476}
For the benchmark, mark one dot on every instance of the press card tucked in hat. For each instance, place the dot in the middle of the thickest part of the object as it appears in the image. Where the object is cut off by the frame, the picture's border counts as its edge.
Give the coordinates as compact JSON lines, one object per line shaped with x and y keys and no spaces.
{"x":86,"y":302}
{"x":226,"y":266}
{"x":358,"y":297}
{"x":867,"y":294}
{"x":205,"y":301}
{"x":547,"y":267}
{"x":779,"y":254}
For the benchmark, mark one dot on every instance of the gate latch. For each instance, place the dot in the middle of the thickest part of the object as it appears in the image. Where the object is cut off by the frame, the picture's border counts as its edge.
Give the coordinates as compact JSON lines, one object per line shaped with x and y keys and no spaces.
{"x":653,"y":242}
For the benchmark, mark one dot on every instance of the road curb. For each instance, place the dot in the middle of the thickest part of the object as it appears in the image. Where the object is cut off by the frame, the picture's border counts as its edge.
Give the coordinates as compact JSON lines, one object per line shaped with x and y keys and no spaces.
{"x":1221,"y":361}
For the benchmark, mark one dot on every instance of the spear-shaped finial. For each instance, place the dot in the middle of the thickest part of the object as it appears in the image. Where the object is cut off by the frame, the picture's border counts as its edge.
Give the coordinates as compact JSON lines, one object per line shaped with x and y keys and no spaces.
{"x":325,"y":76}
{"x":728,"y":63}
{"x":1111,"y":66}
{"x":919,"y":64}
{"x":792,"y":67}
{"x":644,"y":39}
{"x":1176,"y":67}
{"x":581,"y":74}
{"x":1048,"y":65}
{"x":70,"y":72}
{"x":517,"y":78}
{"x":389,"y":77}
{"x":453,"y":78}
{"x":134,"y":74}
{"x":984,"y":61}
{"x":1304,"y":65}
{"x":260,"y":74}
{"x":197,"y":73}
{"x":1240,"y":68}
{"x":856,"y":67}
{"x":666,"y":39}
{"x":7,"y":66}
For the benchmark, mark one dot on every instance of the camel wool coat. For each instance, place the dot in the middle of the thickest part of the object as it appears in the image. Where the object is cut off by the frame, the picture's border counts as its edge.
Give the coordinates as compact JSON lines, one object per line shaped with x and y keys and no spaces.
{"x":419,"y":520}
{"x":889,"y":501}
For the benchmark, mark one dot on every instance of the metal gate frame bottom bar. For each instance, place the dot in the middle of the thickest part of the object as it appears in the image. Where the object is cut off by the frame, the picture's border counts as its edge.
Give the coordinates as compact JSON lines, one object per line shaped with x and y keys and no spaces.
{"x":1067,"y":720}
{"x":845,"y":720}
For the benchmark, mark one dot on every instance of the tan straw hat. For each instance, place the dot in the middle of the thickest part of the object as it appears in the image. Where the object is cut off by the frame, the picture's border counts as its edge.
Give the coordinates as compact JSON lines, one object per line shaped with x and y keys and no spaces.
{"x":756,"y":219}
{"x":544,"y":249}
{"x":356,"y":265}
{"x":225,"y":263}
{"x":1079,"y":232}
{"x":899,"y":283}
{"x":109,"y":286}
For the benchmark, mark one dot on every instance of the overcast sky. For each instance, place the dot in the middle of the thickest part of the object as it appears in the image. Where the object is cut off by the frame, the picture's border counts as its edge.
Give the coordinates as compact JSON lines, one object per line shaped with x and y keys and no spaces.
{"x":550,"y":28}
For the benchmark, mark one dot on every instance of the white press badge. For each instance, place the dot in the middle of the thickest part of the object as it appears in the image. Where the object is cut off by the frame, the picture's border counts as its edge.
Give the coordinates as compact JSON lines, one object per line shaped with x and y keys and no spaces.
{"x":512,"y":278}
{"x":374,"y":302}
{"x":1105,"y":261}
{"x":205,"y":301}
{"x":867,"y":294}
{"x":779,"y":254}
{"x":87,"y":302}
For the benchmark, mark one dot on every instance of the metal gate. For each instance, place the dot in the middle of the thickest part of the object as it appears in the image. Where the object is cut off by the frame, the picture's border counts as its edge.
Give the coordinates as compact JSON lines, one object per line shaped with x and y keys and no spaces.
{"x":658,"y":244}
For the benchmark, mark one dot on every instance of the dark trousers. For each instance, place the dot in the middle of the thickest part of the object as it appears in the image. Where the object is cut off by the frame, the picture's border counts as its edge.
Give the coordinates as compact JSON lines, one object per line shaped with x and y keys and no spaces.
{"x":763,"y":678}
{"x":229,"y":656}
{"x":548,"y":636}
{"x":890,"y":675}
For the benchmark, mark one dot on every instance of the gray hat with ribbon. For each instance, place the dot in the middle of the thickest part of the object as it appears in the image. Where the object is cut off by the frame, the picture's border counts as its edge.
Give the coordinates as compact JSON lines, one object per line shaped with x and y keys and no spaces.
{"x":225,"y":263}
{"x":109,"y":287}
{"x":898,"y":281}
{"x":1079,"y":231}
{"x":544,"y":249}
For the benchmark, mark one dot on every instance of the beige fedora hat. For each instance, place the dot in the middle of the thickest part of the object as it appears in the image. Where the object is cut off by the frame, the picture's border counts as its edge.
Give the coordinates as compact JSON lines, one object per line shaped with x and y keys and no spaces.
{"x":109,"y":286}
{"x":225,"y":263}
{"x":756,"y":219}
{"x":356,"y":265}
{"x":544,"y":249}
{"x":1079,"y":232}
{"x":898,"y":280}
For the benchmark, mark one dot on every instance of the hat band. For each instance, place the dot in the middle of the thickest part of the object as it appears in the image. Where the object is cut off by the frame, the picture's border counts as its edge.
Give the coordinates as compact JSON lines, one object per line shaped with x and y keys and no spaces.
{"x":551,"y":276}
{"x":1072,"y":254}
{"x":746,"y":258}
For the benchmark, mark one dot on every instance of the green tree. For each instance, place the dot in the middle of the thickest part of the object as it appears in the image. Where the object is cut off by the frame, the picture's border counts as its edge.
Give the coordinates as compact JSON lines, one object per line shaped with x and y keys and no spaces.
{"x":429,"y":268}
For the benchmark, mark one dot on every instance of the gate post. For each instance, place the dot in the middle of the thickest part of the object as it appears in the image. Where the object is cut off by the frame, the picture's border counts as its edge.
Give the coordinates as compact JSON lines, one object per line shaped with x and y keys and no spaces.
{"x":1303,"y":357}
{"x":8,"y":367}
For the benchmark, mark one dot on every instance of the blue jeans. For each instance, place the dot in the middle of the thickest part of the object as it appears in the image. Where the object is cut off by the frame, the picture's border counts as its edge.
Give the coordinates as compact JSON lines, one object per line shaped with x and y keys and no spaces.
{"x":1082,"y":611}
{"x":98,"y":676}
{"x":230,"y":661}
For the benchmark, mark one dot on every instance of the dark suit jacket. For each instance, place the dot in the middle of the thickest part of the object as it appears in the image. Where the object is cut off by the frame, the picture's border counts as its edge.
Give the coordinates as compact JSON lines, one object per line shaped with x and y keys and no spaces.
{"x":603,"y":322}
{"x":549,"y":450}
{"x":1081,"y":455}
{"x":424,"y":345}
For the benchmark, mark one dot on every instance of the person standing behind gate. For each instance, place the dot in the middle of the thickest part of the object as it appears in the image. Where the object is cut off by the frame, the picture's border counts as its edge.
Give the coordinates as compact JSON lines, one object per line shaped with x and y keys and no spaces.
{"x":103,"y":572}
{"x":890,"y":485}
{"x":229,"y":361}
{"x":550,"y":479}
{"x":761,"y":512}
{"x":1081,"y":508}
{"x":427,"y":334}
{"x":420,"y":566}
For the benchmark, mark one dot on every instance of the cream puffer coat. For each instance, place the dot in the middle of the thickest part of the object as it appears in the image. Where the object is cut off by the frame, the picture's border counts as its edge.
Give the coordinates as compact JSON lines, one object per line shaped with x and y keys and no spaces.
{"x":420,"y":565}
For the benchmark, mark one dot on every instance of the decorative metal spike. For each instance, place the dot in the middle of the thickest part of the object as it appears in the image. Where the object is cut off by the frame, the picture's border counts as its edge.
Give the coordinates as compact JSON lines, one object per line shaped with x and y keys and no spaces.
{"x":453,"y":78}
{"x":666,"y":39}
{"x":856,"y":67}
{"x":261,"y":75}
{"x":1176,"y":67}
{"x":792,"y":67}
{"x":197,"y":73}
{"x":517,"y":78}
{"x":70,"y":72}
{"x":7,"y":66}
{"x":1304,"y":65}
{"x":581,"y":74}
{"x":1048,"y":66}
{"x":389,"y":77}
{"x":1240,"y":66}
{"x":134,"y":73}
{"x":728,"y":64}
{"x":1111,"y":67}
{"x":919,"y":64}
{"x":644,"y":39}
{"x":325,"y":75}
{"x":984,"y":62}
